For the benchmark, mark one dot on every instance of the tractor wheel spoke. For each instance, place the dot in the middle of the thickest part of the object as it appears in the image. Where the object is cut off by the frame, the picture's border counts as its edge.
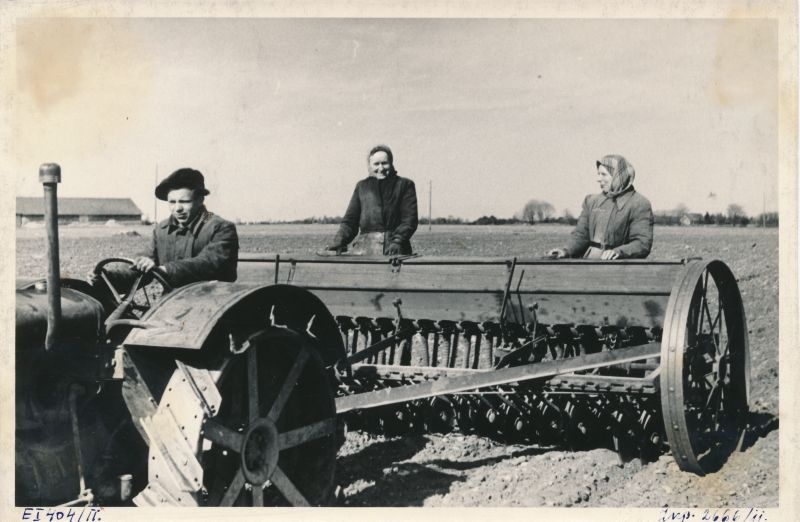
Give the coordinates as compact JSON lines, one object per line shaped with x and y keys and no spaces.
{"x":295,"y":437}
{"x":233,"y":490}
{"x":258,"y":496}
{"x":288,"y":489}
{"x":252,"y":383}
{"x":288,"y":386}
{"x":222,"y":435}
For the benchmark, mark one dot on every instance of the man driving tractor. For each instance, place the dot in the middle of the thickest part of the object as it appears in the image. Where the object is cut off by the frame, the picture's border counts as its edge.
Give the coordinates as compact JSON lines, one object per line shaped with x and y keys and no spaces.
{"x":193,"y":244}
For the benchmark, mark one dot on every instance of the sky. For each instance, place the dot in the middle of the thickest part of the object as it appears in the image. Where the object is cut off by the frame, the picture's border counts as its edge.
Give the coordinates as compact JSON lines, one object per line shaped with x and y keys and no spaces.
{"x":279,"y":113}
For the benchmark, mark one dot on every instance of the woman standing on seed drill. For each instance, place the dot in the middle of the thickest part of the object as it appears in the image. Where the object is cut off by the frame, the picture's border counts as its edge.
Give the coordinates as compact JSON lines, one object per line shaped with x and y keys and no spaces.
{"x":382,"y":211}
{"x":615,"y":224}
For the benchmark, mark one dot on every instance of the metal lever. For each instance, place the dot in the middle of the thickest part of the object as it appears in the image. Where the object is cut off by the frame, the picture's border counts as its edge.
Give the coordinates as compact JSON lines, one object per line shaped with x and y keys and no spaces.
{"x":506,"y":294}
{"x":397,"y":303}
{"x":397,"y":261}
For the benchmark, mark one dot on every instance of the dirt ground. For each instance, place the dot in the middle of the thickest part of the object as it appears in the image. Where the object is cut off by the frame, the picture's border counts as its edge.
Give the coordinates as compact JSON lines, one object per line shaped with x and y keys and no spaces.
{"x":468,"y":470}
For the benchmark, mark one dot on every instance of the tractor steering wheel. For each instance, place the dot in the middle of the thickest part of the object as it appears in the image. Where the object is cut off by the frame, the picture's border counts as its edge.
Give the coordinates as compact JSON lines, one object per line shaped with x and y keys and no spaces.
{"x":126,"y":301}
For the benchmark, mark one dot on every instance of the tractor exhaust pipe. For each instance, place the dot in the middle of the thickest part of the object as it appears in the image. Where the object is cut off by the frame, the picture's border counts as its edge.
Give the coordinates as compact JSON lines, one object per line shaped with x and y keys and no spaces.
{"x":50,"y":177}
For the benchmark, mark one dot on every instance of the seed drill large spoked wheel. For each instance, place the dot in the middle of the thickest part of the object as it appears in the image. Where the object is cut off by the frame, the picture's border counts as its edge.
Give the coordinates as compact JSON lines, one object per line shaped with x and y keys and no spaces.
{"x":705,"y":367}
{"x":257,"y":431}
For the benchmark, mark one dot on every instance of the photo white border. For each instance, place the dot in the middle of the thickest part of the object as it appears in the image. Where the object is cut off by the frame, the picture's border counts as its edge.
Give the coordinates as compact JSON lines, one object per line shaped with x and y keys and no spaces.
{"x":785,"y":11}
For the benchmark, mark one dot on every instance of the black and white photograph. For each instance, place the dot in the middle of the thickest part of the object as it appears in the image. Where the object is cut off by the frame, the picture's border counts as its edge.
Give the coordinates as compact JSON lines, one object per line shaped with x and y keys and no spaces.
{"x":310,"y":258}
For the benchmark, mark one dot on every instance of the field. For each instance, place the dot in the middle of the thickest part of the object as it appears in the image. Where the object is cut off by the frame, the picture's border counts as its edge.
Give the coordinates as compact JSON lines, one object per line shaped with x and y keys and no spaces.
{"x":465,"y":470}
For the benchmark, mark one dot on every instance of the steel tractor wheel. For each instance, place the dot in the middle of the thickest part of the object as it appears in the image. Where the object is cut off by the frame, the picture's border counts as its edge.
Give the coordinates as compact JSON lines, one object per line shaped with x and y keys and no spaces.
{"x":257,"y":430}
{"x":705,"y":367}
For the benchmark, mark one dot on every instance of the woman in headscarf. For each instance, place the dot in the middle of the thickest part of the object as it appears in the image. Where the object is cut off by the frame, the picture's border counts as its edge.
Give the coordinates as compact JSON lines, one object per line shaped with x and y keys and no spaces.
{"x":382,"y":211}
{"x":617,"y":223}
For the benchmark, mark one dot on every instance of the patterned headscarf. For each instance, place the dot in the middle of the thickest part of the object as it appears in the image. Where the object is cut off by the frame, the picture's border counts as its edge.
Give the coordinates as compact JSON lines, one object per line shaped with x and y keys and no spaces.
{"x":622,"y":173}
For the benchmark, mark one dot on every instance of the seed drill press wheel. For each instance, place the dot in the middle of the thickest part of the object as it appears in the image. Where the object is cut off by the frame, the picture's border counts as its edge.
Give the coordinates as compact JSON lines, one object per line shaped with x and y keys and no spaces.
{"x":705,"y":378}
{"x":258,"y":432}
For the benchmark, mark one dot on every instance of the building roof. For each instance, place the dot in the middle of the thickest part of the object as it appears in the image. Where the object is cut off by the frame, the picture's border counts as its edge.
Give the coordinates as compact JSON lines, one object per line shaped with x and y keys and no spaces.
{"x":80,"y":207}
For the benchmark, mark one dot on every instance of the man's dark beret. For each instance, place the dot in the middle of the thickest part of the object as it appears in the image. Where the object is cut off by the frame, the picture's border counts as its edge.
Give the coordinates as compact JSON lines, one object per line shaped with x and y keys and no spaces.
{"x":182,"y":178}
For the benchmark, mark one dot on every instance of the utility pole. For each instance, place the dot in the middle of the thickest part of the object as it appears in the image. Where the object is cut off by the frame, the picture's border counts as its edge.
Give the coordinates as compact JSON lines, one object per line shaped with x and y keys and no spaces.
{"x":155,"y":200}
{"x":430,"y":204}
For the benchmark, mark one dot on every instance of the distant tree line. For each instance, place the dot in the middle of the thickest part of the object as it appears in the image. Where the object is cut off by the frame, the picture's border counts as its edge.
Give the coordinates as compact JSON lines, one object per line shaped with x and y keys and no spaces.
{"x":323,"y":220}
{"x":536,"y":211}
{"x":733,"y":216}
{"x":767,"y":219}
{"x":449,"y":220}
{"x":493,"y":220}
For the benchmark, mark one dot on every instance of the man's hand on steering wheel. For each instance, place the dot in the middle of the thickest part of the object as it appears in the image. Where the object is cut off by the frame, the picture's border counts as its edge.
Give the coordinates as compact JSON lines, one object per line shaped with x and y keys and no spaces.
{"x":124,"y":290}
{"x":144,"y":264}
{"x":141,"y":264}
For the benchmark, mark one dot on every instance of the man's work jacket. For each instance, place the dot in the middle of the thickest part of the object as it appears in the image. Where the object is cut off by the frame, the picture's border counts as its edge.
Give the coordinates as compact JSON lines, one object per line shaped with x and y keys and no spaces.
{"x":206,"y":250}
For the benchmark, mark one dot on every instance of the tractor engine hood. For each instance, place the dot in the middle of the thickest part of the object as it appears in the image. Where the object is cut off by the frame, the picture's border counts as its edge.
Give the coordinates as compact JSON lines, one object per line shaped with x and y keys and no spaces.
{"x":82,"y":314}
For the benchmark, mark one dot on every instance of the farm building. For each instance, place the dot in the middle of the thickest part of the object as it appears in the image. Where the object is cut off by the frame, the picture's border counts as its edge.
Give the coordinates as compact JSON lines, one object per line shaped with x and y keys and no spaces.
{"x":80,"y":210}
{"x":691,"y":218}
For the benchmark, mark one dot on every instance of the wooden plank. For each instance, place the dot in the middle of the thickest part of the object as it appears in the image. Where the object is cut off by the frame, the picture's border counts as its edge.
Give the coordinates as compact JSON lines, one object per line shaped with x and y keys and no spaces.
{"x":596,"y":310}
{"x":598,"y":278}
{"x":464,"y":274}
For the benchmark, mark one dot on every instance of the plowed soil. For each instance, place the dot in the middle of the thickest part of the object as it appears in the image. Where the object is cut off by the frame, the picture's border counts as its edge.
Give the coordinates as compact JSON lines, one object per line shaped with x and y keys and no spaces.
{"x":469,"y":470}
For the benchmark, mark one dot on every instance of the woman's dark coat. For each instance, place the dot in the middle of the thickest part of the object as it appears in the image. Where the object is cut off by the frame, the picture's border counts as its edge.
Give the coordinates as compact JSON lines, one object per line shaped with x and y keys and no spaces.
{"x":368,"y":212}
{"x":629,"y":228}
